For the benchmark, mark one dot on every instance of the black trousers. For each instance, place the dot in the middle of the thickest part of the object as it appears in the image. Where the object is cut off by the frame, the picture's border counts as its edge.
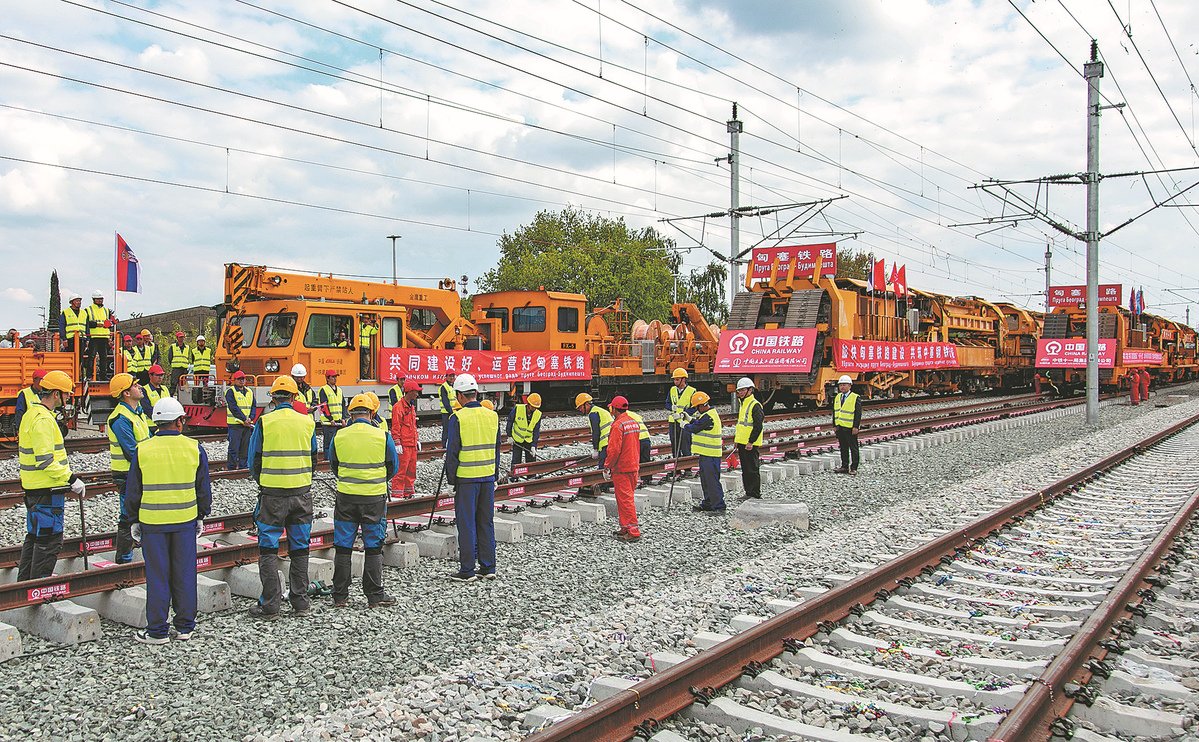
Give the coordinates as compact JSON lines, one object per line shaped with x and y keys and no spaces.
{"x":98,"y":348}
{"x":521,"y":452}
{"x":750,"y":477}
{"x":849,"y":448}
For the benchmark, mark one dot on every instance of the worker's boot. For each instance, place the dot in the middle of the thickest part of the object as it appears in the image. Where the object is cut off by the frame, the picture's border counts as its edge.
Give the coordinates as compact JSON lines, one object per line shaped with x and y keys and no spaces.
{"x":45,"y":555}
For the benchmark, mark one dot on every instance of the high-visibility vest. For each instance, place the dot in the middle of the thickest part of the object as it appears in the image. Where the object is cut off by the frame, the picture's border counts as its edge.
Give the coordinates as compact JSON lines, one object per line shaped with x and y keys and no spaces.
{"x":523,"y":423}
{"x":286,"y":449}
{"x":708,"y":442}
{"x":745,"y":422}
{"x":478,"y":428}
{"x":605,"y":425}
{"x":141,"y":431}
{"x":450,"y":395}
{"x":364,"y":335}
{"x":99,"y":315}
{"x":41,"y":454}
{"x":395,"y":394}
{"x":168,"y":464}
{"x":641,"y":424}
{"x":679,"y":401}
{"x":76,"y":322}
{"x":31,"y":398}
{"x":201,"y":360}
{"x":311,"y":398}
{"x":843,"y":414}
{"x":245,"y":403}
{"x":361,"y":460}
{"x":180,"y":357}
{"x":333,"y":398}
{"x":153,"y":395}
{"x":137,"y":359}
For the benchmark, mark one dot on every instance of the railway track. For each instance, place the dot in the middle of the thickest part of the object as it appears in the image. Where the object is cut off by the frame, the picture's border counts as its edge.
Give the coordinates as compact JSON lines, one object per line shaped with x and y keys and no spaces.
{"x":1009,"y":627}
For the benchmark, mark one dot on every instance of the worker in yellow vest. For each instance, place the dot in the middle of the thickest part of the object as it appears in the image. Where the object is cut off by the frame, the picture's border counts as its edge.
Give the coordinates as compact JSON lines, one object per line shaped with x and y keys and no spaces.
{"x":524,"y":428}
{"x":707,"y":442}
{"x":100,"y":325}
{"x":201,"y":360}
{"x":282,"y":452}
{"x":154,"y":391}
{"x":748,"y":437}
{"x":448,"y":397}
{"x":45,"y":476}
{"x":368,"y":329}
{"x":179,"y":356}
{"x":239,"y":421}
{"x":644,"y":444}
{"x":72,"y":325}
{"x":332,"y":405}
{"x":127,"y":429}
{"x":363,"y":458}
{"x":472,"y":466}
{"x":600,"y":421}
{"x":171,"y":493}
{"x":679,"y":407}
{"x":30,"y":395}
{"x":847,"y":418}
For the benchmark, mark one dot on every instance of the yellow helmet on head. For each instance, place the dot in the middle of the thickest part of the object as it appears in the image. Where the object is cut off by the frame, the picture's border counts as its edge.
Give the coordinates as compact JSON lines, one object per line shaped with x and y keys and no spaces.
{"x":488,"y":404}
{"x":285,"y":384}
{"x":679,"y":373}
{"x":700,"y":398}
{"x":581,"y":399}
{"x":360,"y":403}
{"x":119,"y":384}
{"x":374,"y":400}
{"x":534,"y":400}
{"x":58,"y":381}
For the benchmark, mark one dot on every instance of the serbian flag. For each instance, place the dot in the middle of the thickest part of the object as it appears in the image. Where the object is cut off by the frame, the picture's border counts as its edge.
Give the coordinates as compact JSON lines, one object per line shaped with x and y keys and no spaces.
{"x":129,"y":277}
{"x":878,"y":280}
{"x":901,"y":281}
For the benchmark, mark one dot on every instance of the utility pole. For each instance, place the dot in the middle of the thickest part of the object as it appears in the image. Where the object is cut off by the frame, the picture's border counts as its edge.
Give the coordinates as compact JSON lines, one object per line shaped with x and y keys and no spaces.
{"x":395,"y":281}
{"x":734,"y":129}
{"x":1048,"y":269}
{"x":1092,"y":71}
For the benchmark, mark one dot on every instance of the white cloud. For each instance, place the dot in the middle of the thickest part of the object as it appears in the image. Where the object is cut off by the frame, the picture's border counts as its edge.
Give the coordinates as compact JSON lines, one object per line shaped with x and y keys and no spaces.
{"x":16,"y":294}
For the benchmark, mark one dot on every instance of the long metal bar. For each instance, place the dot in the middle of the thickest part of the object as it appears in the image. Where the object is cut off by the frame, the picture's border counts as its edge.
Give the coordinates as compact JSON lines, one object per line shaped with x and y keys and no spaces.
{"x":1092,"y":71}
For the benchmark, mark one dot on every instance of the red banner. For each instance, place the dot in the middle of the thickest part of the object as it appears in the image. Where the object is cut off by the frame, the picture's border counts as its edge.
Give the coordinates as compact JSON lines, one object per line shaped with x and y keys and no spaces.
{"x":803,"y":256}
{"x":1139,"y":357}
{"x":1072,"y":353}
{"x":487,"y":366}
{"x":1073,"y":296}
{"x":765,"y":351}
{"x":882,"y":355}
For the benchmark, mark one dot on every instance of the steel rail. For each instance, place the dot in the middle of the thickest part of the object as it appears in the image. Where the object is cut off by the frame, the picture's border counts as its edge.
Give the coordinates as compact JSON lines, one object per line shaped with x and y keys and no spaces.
{"x":645,"y":705}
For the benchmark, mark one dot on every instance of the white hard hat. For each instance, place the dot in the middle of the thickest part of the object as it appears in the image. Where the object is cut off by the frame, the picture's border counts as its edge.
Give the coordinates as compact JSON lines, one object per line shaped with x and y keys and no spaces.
{"x":167,"y":410}
{"x":199,"y":338}
{"x":745,"y":383}
{"x":74,"y":297}
{"x":845,"y":379}
{"x":465,"y":383}
{"x":299,"y":370}
{"x":97,"y":294}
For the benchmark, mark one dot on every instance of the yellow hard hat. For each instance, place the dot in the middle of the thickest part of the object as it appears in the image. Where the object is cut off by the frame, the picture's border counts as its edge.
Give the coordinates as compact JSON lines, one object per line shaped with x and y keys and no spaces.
{"x":119,"y":384}
{"x":700,"y":398}
{"x":360,"y":402}
{"x":374,"y":400}
{"x":58,"y":381}
{"x":679,"y":373}
{"x":534,"y":400}
{"x":582,"y":398}
{"x":285,"y":384}
{"x":488,"y":404}
{"x":456,"y":405}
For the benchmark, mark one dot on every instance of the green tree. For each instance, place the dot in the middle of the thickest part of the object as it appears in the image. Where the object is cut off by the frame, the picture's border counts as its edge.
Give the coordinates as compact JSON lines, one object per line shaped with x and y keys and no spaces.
{"x":705,"y":288}
{"x":575,"y":251}
{"x":55,"y":306}
{"x":853,"y":263}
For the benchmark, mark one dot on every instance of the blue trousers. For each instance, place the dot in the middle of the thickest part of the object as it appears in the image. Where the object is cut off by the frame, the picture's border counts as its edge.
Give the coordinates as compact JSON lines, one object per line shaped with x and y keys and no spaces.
{"x":444,"y":420}
{"x":709,"y":480}
{"x":239,"y":444}
{"x":327,"y":433}
{"x":474,"y":511}
{"x":170,"y":554}
{"x":680,"y":440}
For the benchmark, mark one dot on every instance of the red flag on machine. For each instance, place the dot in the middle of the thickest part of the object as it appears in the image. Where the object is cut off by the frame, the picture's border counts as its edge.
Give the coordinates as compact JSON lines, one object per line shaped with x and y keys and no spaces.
{"x":878,"y":280}
{"x":901,"y":281}
{"x":893,"y":277}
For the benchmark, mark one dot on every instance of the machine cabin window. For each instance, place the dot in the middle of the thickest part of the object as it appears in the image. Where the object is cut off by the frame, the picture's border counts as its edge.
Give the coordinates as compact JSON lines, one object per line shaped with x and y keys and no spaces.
{"x":392,"y":333}
{"x":500,"y":313}
{"x":421,"y":318}
{"x":277,"y":330}
{"x":568,"y":319}
{"x":248,"y":324}
{"x":323,"y":330}
{"x":528,"y":319}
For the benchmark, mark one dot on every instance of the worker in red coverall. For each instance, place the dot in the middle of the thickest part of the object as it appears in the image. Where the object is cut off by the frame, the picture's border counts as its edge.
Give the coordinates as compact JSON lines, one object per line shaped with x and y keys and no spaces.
{"x":403,"y":432}
{"x":624,"y":461}
{"x":1134,"y":387}
{"x":1145,"y":379}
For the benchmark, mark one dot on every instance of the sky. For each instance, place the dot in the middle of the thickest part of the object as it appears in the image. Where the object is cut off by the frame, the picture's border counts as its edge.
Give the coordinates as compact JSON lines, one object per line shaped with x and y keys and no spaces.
{"x":300,"y":134}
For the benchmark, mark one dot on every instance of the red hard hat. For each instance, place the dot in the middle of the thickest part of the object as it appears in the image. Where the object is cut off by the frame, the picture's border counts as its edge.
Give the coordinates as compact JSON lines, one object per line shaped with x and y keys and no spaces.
{"x":180,"y":334}
{"x":129,"y":338}
{"x":619,"y":403}
{"x":411,"y":386}
{"x":39,"y":373}
{"x":331,"y":372}
{"x":239,"y":375}
{"x":156,"y":369}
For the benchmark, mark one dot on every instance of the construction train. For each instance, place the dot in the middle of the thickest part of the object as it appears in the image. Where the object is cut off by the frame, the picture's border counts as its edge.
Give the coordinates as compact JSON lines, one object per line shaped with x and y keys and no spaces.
{"x":920,"y":342}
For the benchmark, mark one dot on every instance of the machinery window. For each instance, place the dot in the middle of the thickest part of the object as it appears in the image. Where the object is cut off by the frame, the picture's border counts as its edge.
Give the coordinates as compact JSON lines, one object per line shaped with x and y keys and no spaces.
{"x":392,"y":333}
{"x":568,"y":319}
{"x":528,"y":319}
{"x":500,"y":313}
{"x":328,"y":331}
{"x":421,"y":318}
{"x":277,"y":330}
{"x":248,"y":324}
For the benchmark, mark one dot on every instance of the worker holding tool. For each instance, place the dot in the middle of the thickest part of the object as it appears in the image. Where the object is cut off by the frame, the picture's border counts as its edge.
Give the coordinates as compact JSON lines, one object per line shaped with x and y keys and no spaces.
{"x":524,"y":429}
{"x":748,"y":437}
{"x":680,"y":405}
{"x":472,"y":466}
{"x":45,"y":476}
{"x":403,"y":433}
{"x":707,"y":443}
{"x":601,"y":424}
{"x":171,"y":494}
{"x":847,"y":418}
{"x":128,"y":427}
{"x":239,"y":419}
{"x":624,"y":461}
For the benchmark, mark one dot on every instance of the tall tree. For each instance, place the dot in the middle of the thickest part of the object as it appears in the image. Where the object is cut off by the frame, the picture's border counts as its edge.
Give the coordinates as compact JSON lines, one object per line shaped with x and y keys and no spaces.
{"x":55,"y":306}
{"x":705,"y":289}
{"x":853,"y":263}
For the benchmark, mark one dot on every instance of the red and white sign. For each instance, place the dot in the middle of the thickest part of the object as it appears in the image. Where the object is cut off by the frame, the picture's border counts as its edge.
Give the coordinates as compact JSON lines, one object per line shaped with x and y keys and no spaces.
{"x":882,"y":355}
{"x":49,"y":592}
{"x":487,"y":366}
{"x":1074,"y":296}
{"x":1167,"y":334}
{"x":1140,"y":357}
{"x":1072,"y":353}
{"x":214,"y":526}
{"x":765,"y":351}
{"x":203,"y":562}
{"x":802,"y":256}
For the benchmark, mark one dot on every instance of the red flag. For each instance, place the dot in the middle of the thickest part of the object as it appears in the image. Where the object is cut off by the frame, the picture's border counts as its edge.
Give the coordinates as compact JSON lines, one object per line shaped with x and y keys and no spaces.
{"x":894,"y":275}
{"x":878,"y":280}
{"x":901,"y":281}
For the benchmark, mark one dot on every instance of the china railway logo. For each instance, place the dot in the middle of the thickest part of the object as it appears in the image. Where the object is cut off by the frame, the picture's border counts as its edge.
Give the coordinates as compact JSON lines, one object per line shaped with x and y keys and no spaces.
{"x":49,"y":591}
{"x":1053,"y":348}
{"x":738,"y":343}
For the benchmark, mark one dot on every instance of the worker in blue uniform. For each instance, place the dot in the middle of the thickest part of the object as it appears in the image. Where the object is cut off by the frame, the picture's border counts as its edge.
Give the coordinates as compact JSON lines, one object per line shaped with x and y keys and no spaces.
{"x":363,"y":457}
{"x":472,"y":466}
{"x":282,"y":451}
{"x":707,"y":442}
{"x":169,"y":490}
{"x":239,"y":419}
{"x":30,"y":395}
{"x":128,"y":427}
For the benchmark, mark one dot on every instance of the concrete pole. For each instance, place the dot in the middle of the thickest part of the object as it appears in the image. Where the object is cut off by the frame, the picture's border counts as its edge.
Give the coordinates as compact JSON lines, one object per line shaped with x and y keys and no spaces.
{"x":1092,"y":72}
{"x":734,"y":129}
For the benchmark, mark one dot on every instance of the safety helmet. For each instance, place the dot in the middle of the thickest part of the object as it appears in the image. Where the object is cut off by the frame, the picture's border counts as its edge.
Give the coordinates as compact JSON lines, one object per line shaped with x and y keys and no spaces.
{"x":285,"y":385}
{"x":581,"y":399}
{"x":411,"y":386}
{"x":97,"y":294}
{"x":456,"y":405}
{"x":75,"y":297}
{"x":488,"y":404}
{"x":679,"y":373}
{"x":167,"y":410}
{"x":374,"y":400}
{"x":299,"y":370}
{"x":120,"y":384}
{"x":845,"y":379}
{"x":619,"y":403}
{"x":360,"y":402}
{"x":449,"y":373}
{"x":534,"y":400}
{"x":331,"y":373}
{"x":239,"y":375}
{"x":199,"y":338}
{"x":745,"y":383}
{"x":146,"y":332}
{"x":39,"y":373}
{"x":129,"y":338}
{"x":156,"y":370}
{"x":700,"y":398}
{"x":465,"y":383}
{"x":179,"y":334}
{"x":58,"y":381}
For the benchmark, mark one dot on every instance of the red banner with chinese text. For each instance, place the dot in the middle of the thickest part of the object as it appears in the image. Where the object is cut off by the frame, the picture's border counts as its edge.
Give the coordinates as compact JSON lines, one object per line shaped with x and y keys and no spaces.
{"x":487,"y":366}
{"x":1074,"y":296}
{"x":1072,"y":353}
{"x":882,"y":355}
{"x":765,"y":351}
{"x":1141,"y":357}
{"x":803,"y":256}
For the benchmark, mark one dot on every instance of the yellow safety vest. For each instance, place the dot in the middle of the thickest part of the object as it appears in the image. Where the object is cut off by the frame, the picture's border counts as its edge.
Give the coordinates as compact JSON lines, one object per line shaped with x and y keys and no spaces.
{"x":201,"y":360}
{"x":679,"y":401}
{"x":168,"y":465}
{"x":30,"y":398}
{"x":141,"y":432}
{"x":334,"y":398}
{"x":180,"y":357}
{"x":641,"y":424}
{"x":523,"y":423}
{"x":98,"y":315}
{"x":365,"y":333}
{"x":361,"y":460}
{"x":245,"y":403}
{"x":286,"y":449}
{"x":41,"y":454}
{"x":745,"y":422}
{"x":843,"y":415}
{"x":311,"y":398}
{"x":154,"y":395}
{"x":137,"y":359}
{"x":605,"y":425}
{"x":451,"y":395}
{"x":76,"y":322}
{"x":478,"y":429}
{"x":708,"y":442}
